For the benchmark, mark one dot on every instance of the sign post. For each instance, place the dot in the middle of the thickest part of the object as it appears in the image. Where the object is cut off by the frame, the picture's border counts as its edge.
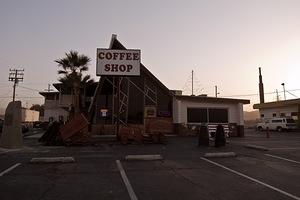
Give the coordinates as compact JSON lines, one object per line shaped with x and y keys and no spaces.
{"x":113,"y":62}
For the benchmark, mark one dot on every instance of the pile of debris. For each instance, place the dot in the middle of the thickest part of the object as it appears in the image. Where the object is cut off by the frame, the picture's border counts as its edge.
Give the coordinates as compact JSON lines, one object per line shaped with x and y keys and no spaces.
{"x":52,"y":136}
{"x":154,"y":132}
{"x":75,"y":132}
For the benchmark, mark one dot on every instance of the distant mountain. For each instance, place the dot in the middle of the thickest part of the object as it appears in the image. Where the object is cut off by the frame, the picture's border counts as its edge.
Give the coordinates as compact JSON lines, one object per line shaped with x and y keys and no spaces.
{"x":251,"y":115}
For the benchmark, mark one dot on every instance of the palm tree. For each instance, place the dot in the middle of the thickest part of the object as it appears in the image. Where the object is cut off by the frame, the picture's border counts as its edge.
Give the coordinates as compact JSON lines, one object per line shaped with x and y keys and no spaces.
{"x":73,"y":65}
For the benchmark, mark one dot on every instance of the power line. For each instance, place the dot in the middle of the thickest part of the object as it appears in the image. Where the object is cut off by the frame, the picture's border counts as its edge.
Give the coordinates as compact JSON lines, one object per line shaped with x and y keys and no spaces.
{"x":20,"y":97}
{"x":255,"y":94}
{"x":29,"y":88}
{"x":291,"y":94}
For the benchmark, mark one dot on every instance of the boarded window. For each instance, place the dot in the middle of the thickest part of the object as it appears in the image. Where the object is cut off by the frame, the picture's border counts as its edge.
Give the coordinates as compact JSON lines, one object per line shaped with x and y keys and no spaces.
{"x":218,"y":115}
{"x":294,"y":114}
{"x":207,"y":115}
{"x":197,"y":115}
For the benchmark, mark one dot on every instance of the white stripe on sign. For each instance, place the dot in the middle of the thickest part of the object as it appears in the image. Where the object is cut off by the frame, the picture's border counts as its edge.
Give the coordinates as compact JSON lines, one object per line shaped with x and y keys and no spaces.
{"x":9,"y":169}
{"x":281,"y":158}
{"x":253,"y":179}
{"x":126,"y":181}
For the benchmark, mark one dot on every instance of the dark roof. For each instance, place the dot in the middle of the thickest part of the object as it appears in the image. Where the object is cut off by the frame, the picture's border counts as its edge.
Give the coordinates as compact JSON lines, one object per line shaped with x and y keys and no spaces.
{"x":56,"y":85}
{"x":115,"y":44}
{"x":275,"y":104}
{"x":211,"y":99}
{"x":47,"y":93}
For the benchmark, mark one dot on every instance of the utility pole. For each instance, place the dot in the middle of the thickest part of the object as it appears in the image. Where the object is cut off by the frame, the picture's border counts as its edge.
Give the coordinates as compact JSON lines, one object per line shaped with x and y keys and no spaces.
{"x":216,"y":91}
{"x":16,"y":76}
{"x":192,"y":82}
{"x":261,"y":88}
{"x":277,"y":96}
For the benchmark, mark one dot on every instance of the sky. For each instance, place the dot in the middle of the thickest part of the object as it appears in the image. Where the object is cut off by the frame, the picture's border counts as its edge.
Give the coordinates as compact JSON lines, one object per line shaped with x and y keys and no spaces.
{"x":222,"y":41}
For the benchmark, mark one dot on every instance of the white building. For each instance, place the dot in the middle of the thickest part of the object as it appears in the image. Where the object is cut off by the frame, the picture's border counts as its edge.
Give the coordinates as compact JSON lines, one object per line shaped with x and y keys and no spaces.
{"x":287,"y":108}
{"x":209,"y":110}
{"x":54,"y":110}
{"x":29,"y":115}
{"x":58,"y":104}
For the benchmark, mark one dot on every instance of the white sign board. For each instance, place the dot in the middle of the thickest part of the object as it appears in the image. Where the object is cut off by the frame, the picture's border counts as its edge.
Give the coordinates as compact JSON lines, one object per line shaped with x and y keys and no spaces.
{"x":118,"y":62}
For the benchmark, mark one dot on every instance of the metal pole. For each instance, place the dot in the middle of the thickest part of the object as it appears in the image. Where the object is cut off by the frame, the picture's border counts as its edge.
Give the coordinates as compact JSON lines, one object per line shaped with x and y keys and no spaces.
{"x":118,"y":107}
{"x":192,"y":83}
{"x":216,"y":91}
{"x":15,"y":83}
{"x":277,"y":96}
{"x":283,"y":90}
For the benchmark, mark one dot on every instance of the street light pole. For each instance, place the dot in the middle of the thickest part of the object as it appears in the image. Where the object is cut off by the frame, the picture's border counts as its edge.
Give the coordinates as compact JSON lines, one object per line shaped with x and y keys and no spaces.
{"x":283,"y":90}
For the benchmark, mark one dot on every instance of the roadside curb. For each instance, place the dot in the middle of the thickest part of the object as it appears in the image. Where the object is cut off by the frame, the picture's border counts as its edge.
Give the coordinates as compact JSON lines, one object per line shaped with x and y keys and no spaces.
{"x":220,"y":155}
{"x":34,"y":136}
{"x":143,"y":157}
{"x":52,"y":160}
{"x":5,"y":150}
{"x":261,"y":148}
{"x":171,"y":135}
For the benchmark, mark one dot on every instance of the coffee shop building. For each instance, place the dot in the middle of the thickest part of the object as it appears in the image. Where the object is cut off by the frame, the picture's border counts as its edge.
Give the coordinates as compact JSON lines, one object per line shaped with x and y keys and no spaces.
{"x":136,"y":100}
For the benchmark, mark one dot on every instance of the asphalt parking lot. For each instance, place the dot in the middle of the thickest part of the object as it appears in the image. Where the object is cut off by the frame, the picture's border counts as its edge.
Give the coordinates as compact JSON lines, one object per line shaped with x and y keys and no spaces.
{"x":184,"y":173}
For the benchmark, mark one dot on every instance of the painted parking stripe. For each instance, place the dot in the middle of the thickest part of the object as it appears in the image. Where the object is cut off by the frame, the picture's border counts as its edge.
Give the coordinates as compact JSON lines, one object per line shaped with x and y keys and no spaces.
{"x":285,"y":148}
{"x":9,"y":169}
{"x":126,"y":181}
{"x":281,"y":158}
{"x":253,"y":179}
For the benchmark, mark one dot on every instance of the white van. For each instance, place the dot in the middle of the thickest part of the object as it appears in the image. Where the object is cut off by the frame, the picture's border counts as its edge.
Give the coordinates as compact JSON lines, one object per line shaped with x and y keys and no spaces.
{"x":278,"y":124}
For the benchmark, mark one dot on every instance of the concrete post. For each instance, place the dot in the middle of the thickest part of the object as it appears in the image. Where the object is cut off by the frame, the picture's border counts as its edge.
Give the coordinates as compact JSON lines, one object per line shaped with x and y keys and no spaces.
{"x":240,"y":125}
{"x":12,"y":130}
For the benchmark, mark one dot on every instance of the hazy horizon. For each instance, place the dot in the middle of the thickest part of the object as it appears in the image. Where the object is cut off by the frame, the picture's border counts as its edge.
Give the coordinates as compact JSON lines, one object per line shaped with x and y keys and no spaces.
{"x":223,"y":42}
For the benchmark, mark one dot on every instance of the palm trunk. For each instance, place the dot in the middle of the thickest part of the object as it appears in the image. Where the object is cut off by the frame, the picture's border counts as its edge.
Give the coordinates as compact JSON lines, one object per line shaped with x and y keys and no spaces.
{"x":76,"y":98}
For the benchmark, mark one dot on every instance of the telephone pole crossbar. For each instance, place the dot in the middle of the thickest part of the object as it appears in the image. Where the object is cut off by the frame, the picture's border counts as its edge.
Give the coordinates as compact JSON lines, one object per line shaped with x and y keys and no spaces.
{"x":15,"y":76}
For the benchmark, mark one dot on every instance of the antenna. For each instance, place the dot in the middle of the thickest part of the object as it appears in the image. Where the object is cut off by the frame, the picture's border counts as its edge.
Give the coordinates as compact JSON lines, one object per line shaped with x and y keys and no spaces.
{"x":216,"y":91}
{"x":192,"y":82}
{"x":49,"y":88}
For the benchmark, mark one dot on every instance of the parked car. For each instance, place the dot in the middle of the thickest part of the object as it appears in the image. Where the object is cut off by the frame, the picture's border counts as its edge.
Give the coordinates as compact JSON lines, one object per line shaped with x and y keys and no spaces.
{"x":278,"y":124}
{"x":25,"y":128}
{"x":37,"y":124}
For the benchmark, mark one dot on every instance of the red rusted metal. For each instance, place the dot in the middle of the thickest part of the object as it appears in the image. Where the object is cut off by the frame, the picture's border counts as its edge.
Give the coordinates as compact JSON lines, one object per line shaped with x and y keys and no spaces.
{"x":75,"y":131}
{"x":130,"y":134}
{"x":157,"y":127}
